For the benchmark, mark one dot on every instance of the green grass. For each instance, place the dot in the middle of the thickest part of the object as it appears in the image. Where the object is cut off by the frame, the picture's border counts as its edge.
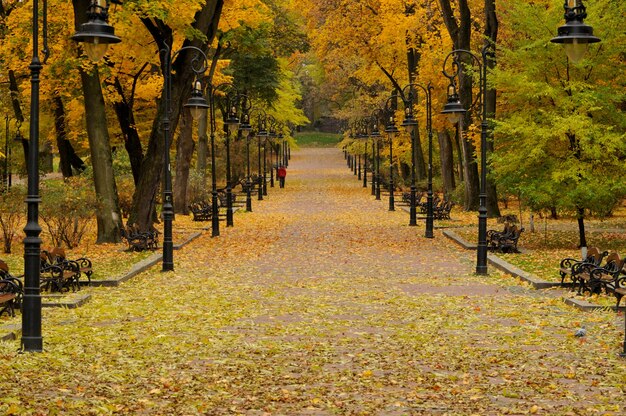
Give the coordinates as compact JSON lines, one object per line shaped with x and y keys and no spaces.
{"x":317,"y":139}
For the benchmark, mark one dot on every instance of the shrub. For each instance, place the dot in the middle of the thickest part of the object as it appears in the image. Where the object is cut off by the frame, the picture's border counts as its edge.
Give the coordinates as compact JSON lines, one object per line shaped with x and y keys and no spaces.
{"x":11,"y":208}
{"x":67,"y":208}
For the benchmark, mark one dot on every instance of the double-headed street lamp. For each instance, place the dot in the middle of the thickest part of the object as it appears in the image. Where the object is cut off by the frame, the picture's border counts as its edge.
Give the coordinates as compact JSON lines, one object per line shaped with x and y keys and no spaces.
{"x":409,"y":98}
{"x":95,"y":35}
{"x":197,"y":105}
{"x":454,"y":109}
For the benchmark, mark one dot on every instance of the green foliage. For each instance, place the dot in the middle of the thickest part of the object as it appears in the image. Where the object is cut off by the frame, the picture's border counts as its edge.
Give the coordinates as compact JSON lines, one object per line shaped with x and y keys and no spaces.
{"x":11,"y":208}
{"x":317,"y":139}
{"x":560,"y":138}
{"x":67,"y":207}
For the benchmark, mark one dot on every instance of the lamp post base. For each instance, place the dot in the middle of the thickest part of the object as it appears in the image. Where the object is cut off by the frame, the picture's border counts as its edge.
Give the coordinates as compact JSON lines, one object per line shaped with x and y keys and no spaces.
{"x":413,"y":208}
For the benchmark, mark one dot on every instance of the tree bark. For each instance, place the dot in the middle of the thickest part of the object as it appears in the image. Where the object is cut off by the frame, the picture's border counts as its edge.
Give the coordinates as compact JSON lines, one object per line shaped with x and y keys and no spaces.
{"x":184,"y":153}
{"x":491,"y":36}
{"x":203,"y":145}
{"x":108,"y":213}
{"x":447,"y":163}
{"x":206,"y":21}
{"x":126,"y":118}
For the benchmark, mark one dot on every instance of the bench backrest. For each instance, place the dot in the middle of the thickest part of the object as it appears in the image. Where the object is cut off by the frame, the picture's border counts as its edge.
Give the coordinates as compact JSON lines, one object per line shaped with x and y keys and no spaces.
{"x":614,"y":262}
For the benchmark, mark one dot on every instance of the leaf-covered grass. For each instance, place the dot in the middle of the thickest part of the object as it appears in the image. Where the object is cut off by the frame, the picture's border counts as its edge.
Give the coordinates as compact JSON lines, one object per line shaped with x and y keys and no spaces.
{"x":320,"y":301}
{"x":317,"y":139}
{"x":554,"y":240}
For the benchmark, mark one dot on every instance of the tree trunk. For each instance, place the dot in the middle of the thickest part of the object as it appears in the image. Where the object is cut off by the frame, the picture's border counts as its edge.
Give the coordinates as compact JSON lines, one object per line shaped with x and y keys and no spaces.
{"x":420,"y":164}
{"x":581,"y":228}
{"x":108,"y":213}
{"x":68,"y":157}
{"x":184,"y":153}
{"x":447,"y":163}
{"x":206,"y":21}
{"x":203,"y":146}
{"x":491,"y":36}
{"x":59,"y":125}
{"x":126,"y":118}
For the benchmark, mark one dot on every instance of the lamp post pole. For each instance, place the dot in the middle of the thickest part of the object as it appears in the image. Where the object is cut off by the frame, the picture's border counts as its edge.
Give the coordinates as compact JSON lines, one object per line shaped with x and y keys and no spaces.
{"x":455,"y":109}
{"x":391,"y":131}
{"x":365,"y":163}
{"x":95,"y":31}
{"x":215,"y":221}
{"x":409,"y":97}
{"x":265,"y":165}
{"x":260,"y":179}
{"x":196,"y":105}
{"x":246,"y":130}
{"x":229,"y":191}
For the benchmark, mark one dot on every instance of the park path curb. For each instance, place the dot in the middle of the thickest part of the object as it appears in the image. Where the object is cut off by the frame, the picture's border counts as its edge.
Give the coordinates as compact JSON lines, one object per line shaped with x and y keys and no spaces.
{"x":536,"y":282}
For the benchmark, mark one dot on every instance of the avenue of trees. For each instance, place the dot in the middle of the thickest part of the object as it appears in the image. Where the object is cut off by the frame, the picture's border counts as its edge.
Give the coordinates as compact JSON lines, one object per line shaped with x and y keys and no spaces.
{"x":559,"y":142}
{"x":559,"y":128}
{"x":95,"y":111}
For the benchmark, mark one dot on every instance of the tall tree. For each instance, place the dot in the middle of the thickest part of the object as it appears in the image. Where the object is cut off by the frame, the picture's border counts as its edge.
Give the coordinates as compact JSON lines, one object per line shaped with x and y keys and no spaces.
{"x":561,"y":141}
{"x":108,"y":213}
{"x":205,"y":24}
{"x":460,"y":31}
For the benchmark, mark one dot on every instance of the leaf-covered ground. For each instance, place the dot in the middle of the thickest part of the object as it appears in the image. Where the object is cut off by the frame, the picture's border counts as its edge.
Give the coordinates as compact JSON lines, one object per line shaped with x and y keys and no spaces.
{"x":320,"y":302}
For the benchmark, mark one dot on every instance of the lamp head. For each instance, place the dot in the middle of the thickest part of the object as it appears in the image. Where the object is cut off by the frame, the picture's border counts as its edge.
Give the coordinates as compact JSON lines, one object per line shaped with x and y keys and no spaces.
{"x":245,"y":126}
{"x":391,"y":128}
{"x":232,"y":121}
{"x":453,"y":108}
{"x":96,"y":34}
{"x":575,"y":35}
{"x":409,"y":123}
{"x":197,"y":104}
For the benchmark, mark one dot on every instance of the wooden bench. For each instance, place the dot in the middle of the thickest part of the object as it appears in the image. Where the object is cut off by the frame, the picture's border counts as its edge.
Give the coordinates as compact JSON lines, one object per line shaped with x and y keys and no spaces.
{"x":442,"y":211}
{"x":570,"y":266}
{"x":505,"y":242}
{"x":610,"y":277}
{"x":83,"y":264}
{"x":140,"y":240}
{"x":57,"y":278}
{"x":201,"y":211}
{"x":11,"y":291}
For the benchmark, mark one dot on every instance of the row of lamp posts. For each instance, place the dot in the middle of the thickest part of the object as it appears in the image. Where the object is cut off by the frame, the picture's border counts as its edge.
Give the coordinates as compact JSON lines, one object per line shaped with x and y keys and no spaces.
{"x":574,"y":35}
{"x":96,"y":35}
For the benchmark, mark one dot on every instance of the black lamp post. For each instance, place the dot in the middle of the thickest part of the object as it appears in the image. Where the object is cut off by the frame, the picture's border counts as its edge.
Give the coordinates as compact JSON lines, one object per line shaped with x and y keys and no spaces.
{"x":374,"y":134}
{"x":365,"y":137}
{"x":196,"y":104}
{"x":95,"y":31}
{"x":455,"y":110}
{"x":231,"y":124}
{"x":391,"y":131}
{"x":246,"y":128}
{"x":261,"y":136}
{"x":575,"y":35}
{"x":410,"y":124}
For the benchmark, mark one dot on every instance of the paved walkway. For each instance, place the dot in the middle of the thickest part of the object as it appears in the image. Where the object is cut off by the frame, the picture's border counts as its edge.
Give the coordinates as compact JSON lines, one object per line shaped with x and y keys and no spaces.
{"x":321,"y":302}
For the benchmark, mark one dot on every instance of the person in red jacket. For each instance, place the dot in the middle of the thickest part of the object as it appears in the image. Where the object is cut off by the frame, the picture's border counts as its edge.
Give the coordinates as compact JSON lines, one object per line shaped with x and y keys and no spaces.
{"x":281,"y":173}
